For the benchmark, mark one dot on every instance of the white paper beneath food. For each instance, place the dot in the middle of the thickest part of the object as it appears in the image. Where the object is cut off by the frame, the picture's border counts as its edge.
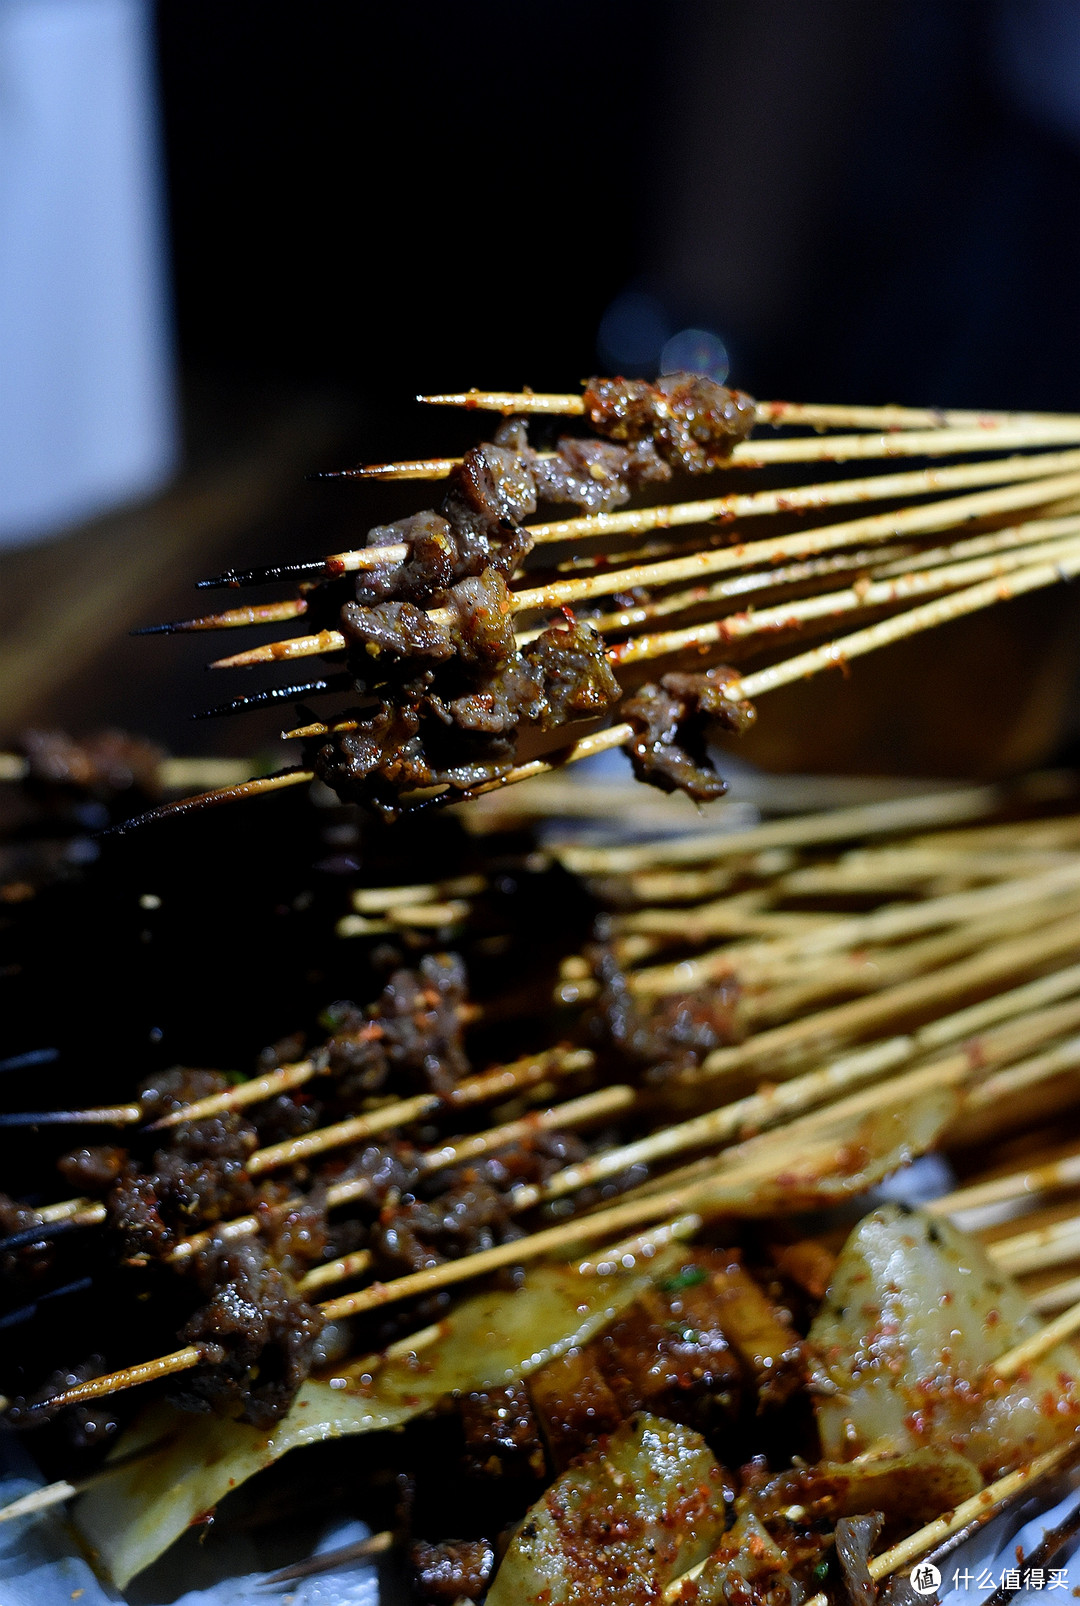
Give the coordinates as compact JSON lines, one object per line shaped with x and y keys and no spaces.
{"x":41,"y":1563}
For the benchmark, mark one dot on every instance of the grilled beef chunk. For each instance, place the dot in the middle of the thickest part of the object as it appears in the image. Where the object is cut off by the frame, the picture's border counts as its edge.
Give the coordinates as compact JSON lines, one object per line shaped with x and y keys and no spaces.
{"x":670,"y":720}
{"x":471,"y":1215}
{"x":201,"y":1177}
{"x":672,"y":1037}
{"x":694,"y":422}
{"x":502,"y":1434}
{"x":100,"y":766}
{"x":258,"y":1339}
{"x":454,"y":723}
{"x":457,"y":1569}
{"x":92,"y":1170}
{"x":477,"y":527}
{"x":32,"y":1260}
{"x":443,"y":700}
{"x":597,"y":476}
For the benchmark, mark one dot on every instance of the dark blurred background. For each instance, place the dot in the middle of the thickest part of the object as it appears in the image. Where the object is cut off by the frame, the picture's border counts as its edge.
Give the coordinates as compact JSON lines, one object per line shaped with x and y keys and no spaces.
{"x":877,"y":202}
{"x":859,"y":203}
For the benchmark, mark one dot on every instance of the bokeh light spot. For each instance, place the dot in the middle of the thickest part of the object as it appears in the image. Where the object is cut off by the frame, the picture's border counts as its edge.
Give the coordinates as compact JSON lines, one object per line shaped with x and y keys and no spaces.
{"x":632,"y":334}
{"x":696,"y":351}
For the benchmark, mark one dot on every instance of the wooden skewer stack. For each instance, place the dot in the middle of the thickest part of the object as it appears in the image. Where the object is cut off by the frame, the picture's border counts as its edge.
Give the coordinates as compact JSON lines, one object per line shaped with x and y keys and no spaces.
{"x":918,"y":949}
{"x":833,"y":988}
{"x":995,"y":514}
{"x":961,"y":978}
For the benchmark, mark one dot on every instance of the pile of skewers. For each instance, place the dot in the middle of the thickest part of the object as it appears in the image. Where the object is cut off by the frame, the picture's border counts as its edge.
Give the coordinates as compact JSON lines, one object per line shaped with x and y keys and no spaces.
{"x":765,"y":1022}
{"x":761,"y":1026}
{"x":466,"y":637}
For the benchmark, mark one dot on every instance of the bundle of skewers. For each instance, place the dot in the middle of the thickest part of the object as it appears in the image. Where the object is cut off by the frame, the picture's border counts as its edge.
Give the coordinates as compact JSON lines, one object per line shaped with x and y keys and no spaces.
{"x":764,"y":1023}
{"x":475,"y":646}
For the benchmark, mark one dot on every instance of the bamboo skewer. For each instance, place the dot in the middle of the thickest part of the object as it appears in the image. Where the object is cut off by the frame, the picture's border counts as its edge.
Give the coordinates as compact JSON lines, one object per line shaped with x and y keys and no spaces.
{"x":684,"y":1201}
{"x":773,"y":1105}
{"x":773,"y":997}
{"x":265,"y":613}
{"x":941,"y":441}
{"x":926,"y":617}
{"x":220,"y":794}
{"x":1040,"y":1344}
{"x":55,"y":1494}
{"x":957,"y":808}
{"x":180,"y":1360}
{"x":871,"y":556}
{"x":1056,"y":1297}
{"x":293,"y":1151}
{"x":915,"y":870}
{"x":527,"y":1072}
{"x":881,"y":560}
{"x":929,"y":871}
{"x":1028,"y":533}
{"x":910,"y":563}
{"x":915,"y":576}
{"x":833,"y":605}
{"x":316,"y":646}
{"x":769,"y":1000}
{"x":816,"y":415}
{"x":823,"y":1032}
{"x":484,"y":1086}
{"x":859,"y":598}
{"x":1050,"y":478}
{"x":1020,"y":1094}
{"x":744,"y":1166}
{"x":285,"y":1079}
{"x":605,"y":1103}
{"x":499,"y":1082}
{"x":833,"y":655}
{"x":742,"y":1116}
{"x":374,"y":1545}
{"x":982,"y":1506}
{"x":531,"y":1070}
{"x":882,"y":925}
{"x":1033,"y":566}
{"x":173,"y":774}
{"x":103,"y":1115}
{"x":959,"y":1068}
{"x":52,"y":1494}
{"x":1055,"y":473}
{"x":337,"y":1194}
{"x":751,"y":1162}
{"x":334,"y":1271}
{"x":1039,"y":1247}
{"x":1033,"y":1180}
{"x":737,"y":585}
{"x":1052,"y":470}
{"x":775,"y":989}
{"x":607,"y":1223}
{"x":940,"y":514}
